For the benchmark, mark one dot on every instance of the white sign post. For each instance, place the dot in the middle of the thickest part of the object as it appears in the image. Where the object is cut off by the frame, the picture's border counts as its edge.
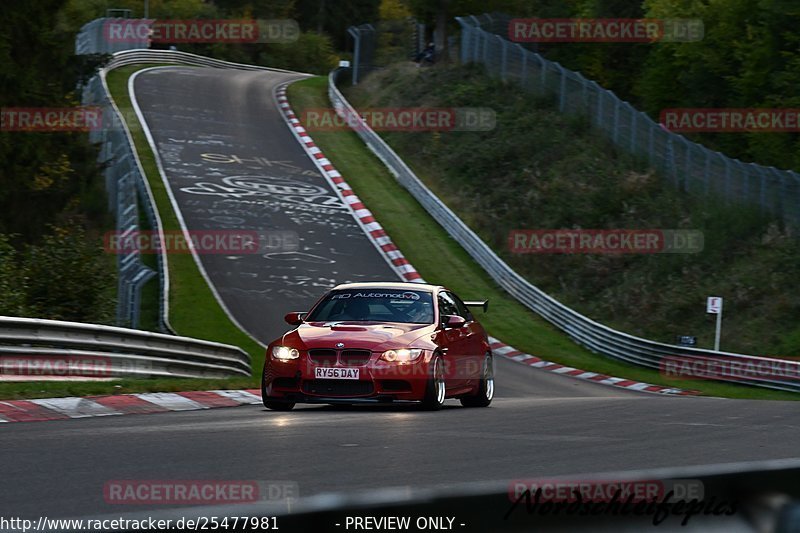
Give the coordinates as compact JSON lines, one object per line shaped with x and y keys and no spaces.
{"x":714,"y":307}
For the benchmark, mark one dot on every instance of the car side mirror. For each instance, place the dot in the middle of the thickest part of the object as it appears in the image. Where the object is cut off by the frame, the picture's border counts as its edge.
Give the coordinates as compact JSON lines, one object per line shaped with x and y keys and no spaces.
{"x":453,"y":321}
{"x":295,"y":319}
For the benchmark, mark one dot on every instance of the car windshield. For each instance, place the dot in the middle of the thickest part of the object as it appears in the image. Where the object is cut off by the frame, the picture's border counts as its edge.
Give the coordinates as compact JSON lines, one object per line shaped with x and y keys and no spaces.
{"x":375,"y":305}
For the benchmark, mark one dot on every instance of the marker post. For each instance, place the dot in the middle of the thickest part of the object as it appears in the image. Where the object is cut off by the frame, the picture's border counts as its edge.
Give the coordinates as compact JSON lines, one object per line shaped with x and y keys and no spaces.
{"x":714,"y":307}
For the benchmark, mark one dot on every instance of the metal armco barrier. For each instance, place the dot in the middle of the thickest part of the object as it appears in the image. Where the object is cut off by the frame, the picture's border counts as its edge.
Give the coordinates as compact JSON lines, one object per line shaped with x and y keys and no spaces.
{"x":138,"y":57}
{"x":46,"y":346}
{"x":584,"y":331}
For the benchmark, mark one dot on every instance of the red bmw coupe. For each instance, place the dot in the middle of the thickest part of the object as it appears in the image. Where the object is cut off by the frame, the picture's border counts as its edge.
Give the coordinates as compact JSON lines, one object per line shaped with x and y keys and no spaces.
{"x":381,"y":342}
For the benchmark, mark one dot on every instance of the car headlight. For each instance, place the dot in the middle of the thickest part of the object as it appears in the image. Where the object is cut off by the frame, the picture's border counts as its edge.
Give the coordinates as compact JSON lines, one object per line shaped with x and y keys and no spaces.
{"x":404,"y":355}
{"x":284,"y":353}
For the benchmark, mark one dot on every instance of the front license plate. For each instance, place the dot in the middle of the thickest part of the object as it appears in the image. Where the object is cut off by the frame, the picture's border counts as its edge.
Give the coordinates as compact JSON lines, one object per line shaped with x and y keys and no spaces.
{"x":335,"y":373}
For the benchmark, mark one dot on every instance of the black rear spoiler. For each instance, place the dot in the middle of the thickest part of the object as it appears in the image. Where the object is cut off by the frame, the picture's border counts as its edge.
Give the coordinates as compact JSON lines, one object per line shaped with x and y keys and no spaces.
{"x":478,"y":303}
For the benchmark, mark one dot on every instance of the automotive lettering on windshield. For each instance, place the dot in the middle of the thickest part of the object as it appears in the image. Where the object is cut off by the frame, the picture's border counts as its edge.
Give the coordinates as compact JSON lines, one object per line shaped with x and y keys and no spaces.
{"x":393,"y":295}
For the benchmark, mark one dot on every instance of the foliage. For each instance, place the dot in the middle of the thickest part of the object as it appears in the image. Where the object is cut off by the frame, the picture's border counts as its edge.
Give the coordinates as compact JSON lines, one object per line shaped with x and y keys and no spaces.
{"x":393,"y":10}
{"x":12,"y":282}
{"x":52,"y":194}
{"x":67,"y":276}
{"x":749,"y":57}
{"x":312,"y":52}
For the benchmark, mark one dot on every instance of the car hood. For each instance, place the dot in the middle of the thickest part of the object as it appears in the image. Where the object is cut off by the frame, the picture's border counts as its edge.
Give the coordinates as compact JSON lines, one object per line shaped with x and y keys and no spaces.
{"x":357,"y":335}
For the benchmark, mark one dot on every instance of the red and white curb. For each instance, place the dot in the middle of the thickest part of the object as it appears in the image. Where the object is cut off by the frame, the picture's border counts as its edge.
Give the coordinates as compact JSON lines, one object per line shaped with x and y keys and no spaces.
{"x":373,"y":230}
{"x":502,"y":349}
{"x":123,"y":404}
{"x":407,"y":271}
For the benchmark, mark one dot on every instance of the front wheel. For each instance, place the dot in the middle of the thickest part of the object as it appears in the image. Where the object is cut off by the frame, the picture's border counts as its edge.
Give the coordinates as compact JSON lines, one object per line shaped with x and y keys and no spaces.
{"x":277,"y":405}
{"x":435,"y":389}
{"x":485,"y":389}
{"x":271,"y":403}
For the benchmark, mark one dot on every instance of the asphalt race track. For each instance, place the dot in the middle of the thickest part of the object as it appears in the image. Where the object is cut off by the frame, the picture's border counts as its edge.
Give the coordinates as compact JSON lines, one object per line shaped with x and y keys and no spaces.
{"x":540,"y":424}
{"x":232,"y":165}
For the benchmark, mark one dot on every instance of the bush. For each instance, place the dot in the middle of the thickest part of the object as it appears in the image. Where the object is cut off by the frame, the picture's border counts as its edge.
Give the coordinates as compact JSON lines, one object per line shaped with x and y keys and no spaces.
{"x":12,"y":282}
{"x":312,"y":52}
{"x":69,"y":277}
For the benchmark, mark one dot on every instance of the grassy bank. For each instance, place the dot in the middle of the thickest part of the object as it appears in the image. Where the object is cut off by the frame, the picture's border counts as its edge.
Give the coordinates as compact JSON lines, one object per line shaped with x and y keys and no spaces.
{"x":539,"y":169}
{"x":440,"y":260}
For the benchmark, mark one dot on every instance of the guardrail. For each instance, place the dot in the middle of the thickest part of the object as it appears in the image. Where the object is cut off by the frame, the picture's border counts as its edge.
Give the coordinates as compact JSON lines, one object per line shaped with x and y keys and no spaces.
{"x":780,"y":374}
{"x":135,"y":57}
{"x":37,"y":347}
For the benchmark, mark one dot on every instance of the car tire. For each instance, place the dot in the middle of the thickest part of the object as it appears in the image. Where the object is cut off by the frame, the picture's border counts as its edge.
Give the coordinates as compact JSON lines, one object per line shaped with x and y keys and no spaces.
{"x":485,"y":392}
{"x":278,"y":405}
{"x":435,"y":391}
{"x":270,"y":403}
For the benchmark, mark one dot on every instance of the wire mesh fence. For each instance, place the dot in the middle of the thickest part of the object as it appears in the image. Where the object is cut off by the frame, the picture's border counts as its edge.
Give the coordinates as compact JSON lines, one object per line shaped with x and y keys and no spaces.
{"x":94,"y":38}
{"x":377,"y":45}
{"x":689,"y":166}
{"x":125,"y":187}
{"x":124,"y":182}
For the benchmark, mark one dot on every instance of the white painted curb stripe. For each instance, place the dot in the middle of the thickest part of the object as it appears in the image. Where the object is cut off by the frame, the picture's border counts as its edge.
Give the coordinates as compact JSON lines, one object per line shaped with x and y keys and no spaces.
{"x":75,"y":407}
{"x":563,"y":370}
{"x":171,"y":401}
{"x":240,"y":396}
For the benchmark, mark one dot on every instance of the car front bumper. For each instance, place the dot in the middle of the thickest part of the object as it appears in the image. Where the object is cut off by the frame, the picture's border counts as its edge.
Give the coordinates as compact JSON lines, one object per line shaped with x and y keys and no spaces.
{"x":378,"y":381}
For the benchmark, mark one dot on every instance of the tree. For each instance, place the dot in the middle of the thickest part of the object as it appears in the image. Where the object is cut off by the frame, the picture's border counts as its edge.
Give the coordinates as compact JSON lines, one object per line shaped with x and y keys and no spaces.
{"x":68,"y":275}
{"x":749,"y":57}
{"x":440,"y":14}
{"x":12,"y":282}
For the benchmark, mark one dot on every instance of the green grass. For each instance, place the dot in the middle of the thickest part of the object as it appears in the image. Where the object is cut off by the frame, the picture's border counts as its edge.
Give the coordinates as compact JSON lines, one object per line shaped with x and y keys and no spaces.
{"x":194,"y":312}
{"x":439,"y":259}
{"x":149,"y":319}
